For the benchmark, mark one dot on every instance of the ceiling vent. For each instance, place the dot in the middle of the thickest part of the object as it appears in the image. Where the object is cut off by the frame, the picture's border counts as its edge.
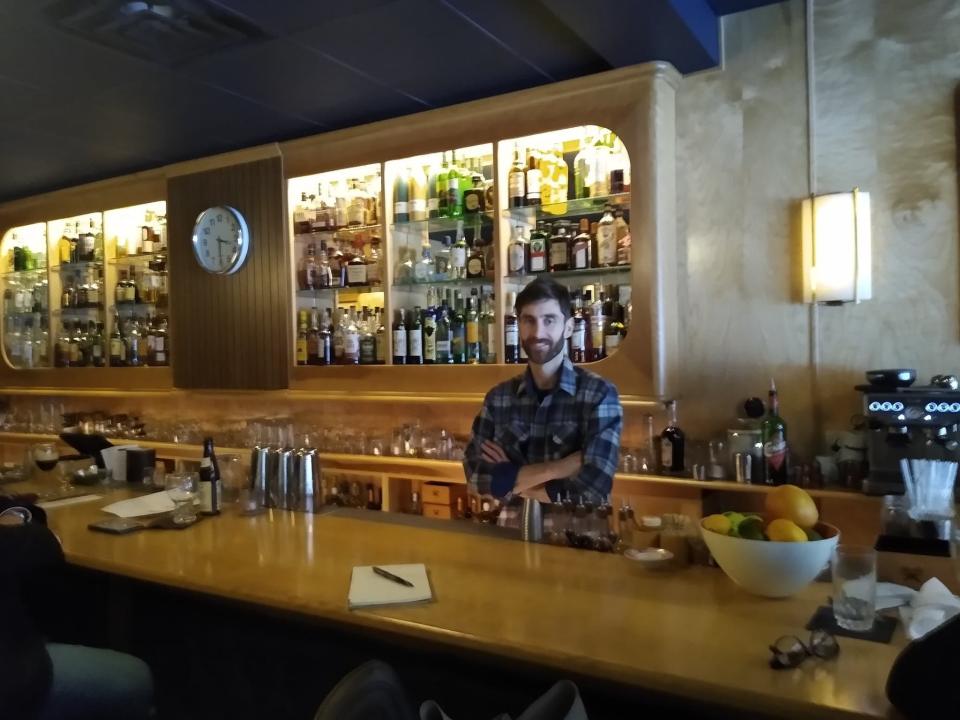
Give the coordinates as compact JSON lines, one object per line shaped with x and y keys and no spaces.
{"x":168,"y":32}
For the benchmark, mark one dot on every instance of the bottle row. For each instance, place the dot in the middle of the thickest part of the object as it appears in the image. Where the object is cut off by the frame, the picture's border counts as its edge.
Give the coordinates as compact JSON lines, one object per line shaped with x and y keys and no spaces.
{"x":344,"y":260}
{"x":455,"y":330}
{"x":133,"y":342}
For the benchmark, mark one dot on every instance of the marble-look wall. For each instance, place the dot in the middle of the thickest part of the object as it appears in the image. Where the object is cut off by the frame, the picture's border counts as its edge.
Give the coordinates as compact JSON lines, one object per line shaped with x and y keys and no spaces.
{"x":885,"y":76}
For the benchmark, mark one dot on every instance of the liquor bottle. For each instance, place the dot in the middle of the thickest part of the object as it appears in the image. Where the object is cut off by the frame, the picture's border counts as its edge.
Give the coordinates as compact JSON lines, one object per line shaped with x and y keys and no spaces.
{"x":441,"y":264}
{"x":307,"y":276}
{"x":76,"y":340}
{"x":209,"y":487}
{"x":442,"y":199}
{"x":597,"y":329}
{"x":357,"y":269}
{"x":474,"y":197}
{"x":622,"y":234}
{"x":374,"y":266}
{"x":615,"y":330}
{"x":473,"y":350}
{"x":538,"y":249}
{"x":368,"y":340}
{"x":118,"y":352}
{"x":607,"y":239}
{"x":619,"y":167}
{"x":773,"y":433}
{"x":444,"y":337}
{"x":458,"y":332}
{"x":476,"y":262}
{"x":337,"y":337}
{"x":454,"y":197}
{"x":381,"y":339}
{"x":415,"y":339}
{"x":598,"y":177}
{"x":532,"y":178}
{"x":26,"y":345}
{"x":326,"y":338}
{"x":423,"y":270}
{"x":488,"y":330}
{"x":430,"y":330}
{"x":302,"y":338}
{"x":547,"y":187}
{"x":42,"y":344}
{"x":95,"y":340}
{"x":401,"y":197}
{"x":578,"y":339}
{"x":433,"y":197}
{"x":516,"y":183}
{"x":63,"y":246}
{"x":560,"y":181}
{"x":356,"y":204}
{"x":371,"y":498}
{"x":559,"y":248}
{"x":302,"y":216}
{"x":458,"y":255}
{"x":672,"y":442}
{"x":517,"y":252}
{"x":581,"y":246}
{"x":336,"y":261}
{"x":511,"y":331}
{"x":88,"y":243}
{"x":351,"y":338}
{"x":417,"y":193}
{"x":399,"y":339}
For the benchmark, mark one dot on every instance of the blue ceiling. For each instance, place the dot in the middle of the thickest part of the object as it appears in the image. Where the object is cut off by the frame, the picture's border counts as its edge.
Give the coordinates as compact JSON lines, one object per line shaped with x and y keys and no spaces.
{"x":95,"y":88}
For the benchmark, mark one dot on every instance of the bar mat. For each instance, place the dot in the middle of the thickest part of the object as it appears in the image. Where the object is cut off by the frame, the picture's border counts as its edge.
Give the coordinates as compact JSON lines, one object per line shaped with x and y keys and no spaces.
{"x":882,"y":631}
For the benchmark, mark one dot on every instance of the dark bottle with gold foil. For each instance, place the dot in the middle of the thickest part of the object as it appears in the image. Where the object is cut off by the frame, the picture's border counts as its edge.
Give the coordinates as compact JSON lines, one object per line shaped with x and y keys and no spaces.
{"x":474,"y":199}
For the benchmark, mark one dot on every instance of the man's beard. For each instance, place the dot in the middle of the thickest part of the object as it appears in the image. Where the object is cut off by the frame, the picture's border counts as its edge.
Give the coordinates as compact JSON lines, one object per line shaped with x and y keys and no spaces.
{"x":540,"y":351}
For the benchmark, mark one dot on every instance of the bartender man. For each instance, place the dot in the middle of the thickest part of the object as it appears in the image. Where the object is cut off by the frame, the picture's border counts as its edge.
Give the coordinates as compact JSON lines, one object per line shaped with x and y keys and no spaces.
{"x":555,"y":429}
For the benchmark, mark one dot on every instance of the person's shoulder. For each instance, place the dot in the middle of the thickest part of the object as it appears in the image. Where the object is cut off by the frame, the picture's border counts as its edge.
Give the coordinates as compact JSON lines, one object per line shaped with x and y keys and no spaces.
{"x":503,"y":393}
{"x":595,"y":387}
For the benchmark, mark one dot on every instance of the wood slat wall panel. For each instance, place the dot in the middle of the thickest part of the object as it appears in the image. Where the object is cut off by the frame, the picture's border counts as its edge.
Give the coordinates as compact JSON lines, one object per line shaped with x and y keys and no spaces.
{"x":231,"y":331}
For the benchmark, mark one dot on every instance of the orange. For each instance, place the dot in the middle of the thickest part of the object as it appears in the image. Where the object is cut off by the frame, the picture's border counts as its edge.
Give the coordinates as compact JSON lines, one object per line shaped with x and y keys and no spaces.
{"x":782,"y":530}
{"x":788,"y":502}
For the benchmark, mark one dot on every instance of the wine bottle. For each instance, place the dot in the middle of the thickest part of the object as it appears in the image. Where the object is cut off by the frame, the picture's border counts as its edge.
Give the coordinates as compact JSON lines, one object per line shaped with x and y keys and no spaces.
{"x":672,"y":442}
{"x":773,"y":433}
{"x":209,"y":480}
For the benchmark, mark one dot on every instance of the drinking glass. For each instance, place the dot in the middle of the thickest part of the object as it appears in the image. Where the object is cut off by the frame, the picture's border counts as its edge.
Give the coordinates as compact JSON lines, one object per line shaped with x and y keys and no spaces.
{"x":45,"y":457}
{"x":233,"y":478}
{"x":854,"y":571}
{"x":182,"y":489}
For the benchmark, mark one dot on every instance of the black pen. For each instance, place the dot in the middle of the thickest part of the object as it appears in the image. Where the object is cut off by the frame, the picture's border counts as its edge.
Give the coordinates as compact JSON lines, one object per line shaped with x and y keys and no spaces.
{"x":390,"y":576}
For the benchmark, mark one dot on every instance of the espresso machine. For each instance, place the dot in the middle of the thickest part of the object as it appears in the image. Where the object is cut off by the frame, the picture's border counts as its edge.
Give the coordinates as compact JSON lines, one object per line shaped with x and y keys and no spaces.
{"x":908,"y":421}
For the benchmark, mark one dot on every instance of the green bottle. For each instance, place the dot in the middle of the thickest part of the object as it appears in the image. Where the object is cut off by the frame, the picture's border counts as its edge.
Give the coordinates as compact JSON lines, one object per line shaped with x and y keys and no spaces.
{"x":773,"y":433}
{"x":454,"y":198}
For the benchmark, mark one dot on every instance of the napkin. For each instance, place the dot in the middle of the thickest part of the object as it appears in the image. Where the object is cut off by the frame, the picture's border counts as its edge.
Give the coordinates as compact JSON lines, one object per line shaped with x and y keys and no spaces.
{"x":151,"y":504}
{"x":932,"y":606}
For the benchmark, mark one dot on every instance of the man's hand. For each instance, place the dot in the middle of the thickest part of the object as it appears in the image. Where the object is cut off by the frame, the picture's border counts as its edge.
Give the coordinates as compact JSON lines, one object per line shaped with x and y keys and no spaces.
{"x":538,"y":475}
{"x":493,"y":453}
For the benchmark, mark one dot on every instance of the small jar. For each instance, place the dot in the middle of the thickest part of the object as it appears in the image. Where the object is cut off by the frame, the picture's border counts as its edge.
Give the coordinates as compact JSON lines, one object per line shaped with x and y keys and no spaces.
{"x":675,"y":538}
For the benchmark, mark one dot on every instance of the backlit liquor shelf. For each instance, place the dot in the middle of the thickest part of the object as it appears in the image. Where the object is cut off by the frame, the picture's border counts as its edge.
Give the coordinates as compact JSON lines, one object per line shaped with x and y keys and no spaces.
{"x":419,"y":260}
{"x":87,"y":291}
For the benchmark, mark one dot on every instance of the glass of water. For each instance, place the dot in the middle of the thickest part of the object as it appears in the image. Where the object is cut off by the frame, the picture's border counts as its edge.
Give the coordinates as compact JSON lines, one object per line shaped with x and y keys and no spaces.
{"x":854,"y":570}
{"x":182,"y":489}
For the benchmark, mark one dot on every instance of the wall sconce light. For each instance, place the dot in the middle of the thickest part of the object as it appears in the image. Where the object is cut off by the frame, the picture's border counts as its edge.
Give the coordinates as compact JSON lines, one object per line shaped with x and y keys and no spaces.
{"x":836,"y":247}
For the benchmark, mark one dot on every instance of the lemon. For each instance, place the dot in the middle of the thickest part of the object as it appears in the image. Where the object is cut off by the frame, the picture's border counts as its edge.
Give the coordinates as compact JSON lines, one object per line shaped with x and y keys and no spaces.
{"x":717,"y":523}
{"x":788,"y":502}
{"x":783,"y":530}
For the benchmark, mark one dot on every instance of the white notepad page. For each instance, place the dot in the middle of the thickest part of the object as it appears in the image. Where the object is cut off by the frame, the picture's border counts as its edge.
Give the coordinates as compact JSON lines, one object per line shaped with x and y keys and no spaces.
{"x":367,"y":589}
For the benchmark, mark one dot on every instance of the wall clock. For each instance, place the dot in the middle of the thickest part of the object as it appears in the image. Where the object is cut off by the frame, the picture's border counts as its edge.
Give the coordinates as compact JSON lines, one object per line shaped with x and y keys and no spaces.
{"x":221,"y":240}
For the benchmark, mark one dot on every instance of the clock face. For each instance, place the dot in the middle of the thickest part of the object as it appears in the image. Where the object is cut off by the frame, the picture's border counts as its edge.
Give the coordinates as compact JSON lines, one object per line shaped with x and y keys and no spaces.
{"x":221,"y":240}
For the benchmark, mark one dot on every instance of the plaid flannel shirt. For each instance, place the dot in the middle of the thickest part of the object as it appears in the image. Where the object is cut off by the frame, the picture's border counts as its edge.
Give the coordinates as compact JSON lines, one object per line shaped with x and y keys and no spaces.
{"x":582,"y":413}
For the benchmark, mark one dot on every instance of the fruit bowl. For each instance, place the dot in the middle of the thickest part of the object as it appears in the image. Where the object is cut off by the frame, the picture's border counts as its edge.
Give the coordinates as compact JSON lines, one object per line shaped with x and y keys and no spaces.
{"x":768,"y":568}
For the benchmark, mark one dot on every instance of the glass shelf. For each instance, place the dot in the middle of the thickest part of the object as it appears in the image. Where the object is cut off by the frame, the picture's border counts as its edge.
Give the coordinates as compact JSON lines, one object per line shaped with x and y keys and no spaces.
{"x":307,"y":237}
{"x":131,"y":306}
{"x":140,"y":257}
{"x":25,"y":313}
{"x":432,"y":225}
{"x":348,"y":288}
{"x":62,"y":267}
{"x":588,"y":272}
{"x":18,"y":273}
{"x":470,"y":282}
{"x":581,"y":206}
{"x":79,"y":310}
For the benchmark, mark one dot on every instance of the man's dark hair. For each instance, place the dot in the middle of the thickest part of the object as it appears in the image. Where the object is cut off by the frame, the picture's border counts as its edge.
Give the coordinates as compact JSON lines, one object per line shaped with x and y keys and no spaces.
{"x":544,"y":288}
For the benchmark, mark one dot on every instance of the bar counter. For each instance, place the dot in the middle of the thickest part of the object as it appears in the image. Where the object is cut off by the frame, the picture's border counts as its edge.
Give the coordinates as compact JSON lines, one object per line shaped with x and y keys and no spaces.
{"x":688,"y":633}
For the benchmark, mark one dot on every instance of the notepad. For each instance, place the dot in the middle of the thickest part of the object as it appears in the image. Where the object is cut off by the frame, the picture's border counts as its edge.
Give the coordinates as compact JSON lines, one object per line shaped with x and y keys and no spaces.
{"x":367,"y":589}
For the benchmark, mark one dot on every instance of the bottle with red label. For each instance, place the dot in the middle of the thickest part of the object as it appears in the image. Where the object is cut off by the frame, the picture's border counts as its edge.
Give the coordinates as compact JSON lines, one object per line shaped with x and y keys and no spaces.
{"x":773,"y":432}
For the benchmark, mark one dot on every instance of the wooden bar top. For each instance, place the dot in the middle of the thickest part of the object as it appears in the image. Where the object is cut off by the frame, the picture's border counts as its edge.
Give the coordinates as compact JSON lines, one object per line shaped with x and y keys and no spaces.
{"x":688,"y":632}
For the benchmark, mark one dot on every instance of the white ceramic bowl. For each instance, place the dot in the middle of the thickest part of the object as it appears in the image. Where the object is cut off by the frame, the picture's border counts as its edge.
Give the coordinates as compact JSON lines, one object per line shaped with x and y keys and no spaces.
{"x":772,"y":569}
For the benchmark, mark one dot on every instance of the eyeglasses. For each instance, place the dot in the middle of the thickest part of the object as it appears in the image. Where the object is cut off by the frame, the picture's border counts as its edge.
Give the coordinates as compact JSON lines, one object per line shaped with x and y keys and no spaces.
{"x":789,"y":650}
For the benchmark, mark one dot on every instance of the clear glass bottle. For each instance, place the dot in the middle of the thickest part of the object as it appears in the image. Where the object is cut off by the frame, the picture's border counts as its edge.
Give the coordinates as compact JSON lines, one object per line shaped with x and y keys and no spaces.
{"x":351,"y":339}
{"x":423,"y":270}
{"x":516,"y":182}
{"x":607,"y":239}
{"x":458,"y":255}
{"x":517,"y":252}
{"x":442,"y":261}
